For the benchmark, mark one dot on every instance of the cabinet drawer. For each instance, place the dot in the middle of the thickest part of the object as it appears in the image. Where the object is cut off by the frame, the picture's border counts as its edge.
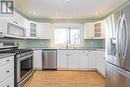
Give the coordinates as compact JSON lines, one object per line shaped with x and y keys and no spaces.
{"x":6,"y":60}
{"x":6,"y":71}
{"x":8,"y":82}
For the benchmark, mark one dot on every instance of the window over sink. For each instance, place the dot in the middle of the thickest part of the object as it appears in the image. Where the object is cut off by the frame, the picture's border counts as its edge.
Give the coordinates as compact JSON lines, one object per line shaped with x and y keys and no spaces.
{"x":67,"y":36}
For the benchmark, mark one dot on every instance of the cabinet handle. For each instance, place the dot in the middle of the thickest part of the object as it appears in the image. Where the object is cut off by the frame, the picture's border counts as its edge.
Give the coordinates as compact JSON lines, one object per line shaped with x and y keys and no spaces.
{"x":67,"y":54}
{"x":7,"y":60}
{"x":7,"y":71}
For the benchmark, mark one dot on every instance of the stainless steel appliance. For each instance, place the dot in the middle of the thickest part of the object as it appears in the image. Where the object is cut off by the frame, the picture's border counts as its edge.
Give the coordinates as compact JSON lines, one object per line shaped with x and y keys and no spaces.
{"x":49,"y":59}
{"x":23,"y":62}
{"x":118,"y":49}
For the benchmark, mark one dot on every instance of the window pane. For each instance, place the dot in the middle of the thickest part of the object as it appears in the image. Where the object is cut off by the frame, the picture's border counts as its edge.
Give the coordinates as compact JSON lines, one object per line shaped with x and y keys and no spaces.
{"x":60,"y":36}
{"x":74,"y":36}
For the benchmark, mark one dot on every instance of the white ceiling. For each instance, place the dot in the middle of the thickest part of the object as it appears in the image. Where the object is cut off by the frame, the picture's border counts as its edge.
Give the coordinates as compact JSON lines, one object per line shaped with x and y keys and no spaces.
{"x":73,"y":9}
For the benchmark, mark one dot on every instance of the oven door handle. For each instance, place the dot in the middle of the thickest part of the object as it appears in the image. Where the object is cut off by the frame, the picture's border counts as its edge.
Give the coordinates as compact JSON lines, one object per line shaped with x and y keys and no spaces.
{"x":25,"y":57}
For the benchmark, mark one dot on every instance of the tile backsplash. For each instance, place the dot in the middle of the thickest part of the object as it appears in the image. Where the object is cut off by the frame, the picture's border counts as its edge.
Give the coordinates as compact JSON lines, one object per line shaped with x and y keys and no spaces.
{"x":95,"y":43}
{"x":33,"y":43}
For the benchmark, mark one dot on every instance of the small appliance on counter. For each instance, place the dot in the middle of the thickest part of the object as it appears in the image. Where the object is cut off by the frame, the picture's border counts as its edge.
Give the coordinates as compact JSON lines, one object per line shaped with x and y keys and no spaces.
{"x":23,"y":62}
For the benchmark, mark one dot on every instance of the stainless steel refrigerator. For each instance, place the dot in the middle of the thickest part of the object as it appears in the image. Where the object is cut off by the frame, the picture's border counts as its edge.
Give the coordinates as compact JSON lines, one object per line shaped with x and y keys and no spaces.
{"x":118,"y":49}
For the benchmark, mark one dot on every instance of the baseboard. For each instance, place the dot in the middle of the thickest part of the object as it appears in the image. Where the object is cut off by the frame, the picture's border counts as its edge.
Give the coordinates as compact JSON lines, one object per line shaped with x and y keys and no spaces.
{"x":84,"y":69}
{"x":38,"y":69}
{"x":101,"y":74}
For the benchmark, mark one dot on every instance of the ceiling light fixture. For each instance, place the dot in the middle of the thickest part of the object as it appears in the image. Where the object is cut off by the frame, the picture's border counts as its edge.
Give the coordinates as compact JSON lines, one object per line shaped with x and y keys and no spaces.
{"x":97,"y":12}
{"x":66,"y":0}
{"x":74,"y":13}
{"x":57,"y":13}
{"x":34,"y":13}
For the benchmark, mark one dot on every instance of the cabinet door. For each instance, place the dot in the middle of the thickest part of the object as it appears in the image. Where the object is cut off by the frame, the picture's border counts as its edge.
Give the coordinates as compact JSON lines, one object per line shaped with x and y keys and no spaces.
{"x":31,"y":29}
{"x":91,"y":55}
{"x":62,"y":59}
{"x":37,"y":61}
{"x":103,"y":29}
{"x":73,"y":59}
{"x":19,"y":20}
{"x":88,"y":31}
{"x":84,"y":60}
{"x":43,"y":30}
{"x":100,"y":29}
{"x":1,"y":27}
{"x":100,"y":62}
{"x":103,"y":63}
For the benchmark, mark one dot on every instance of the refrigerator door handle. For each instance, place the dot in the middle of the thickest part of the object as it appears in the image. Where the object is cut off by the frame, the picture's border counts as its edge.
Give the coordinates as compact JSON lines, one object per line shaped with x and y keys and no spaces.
{"x":122,"y":37}
{"x":125,"y":33}
{"x":117,"y":36}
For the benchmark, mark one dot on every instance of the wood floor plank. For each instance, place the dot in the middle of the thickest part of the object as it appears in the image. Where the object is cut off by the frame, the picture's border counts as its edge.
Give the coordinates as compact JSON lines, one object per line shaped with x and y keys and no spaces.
{"x":65,"y":79}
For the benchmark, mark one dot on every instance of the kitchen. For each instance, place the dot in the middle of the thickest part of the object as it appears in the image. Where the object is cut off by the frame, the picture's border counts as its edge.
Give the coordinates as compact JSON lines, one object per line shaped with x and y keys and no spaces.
{"x":64,"y":43}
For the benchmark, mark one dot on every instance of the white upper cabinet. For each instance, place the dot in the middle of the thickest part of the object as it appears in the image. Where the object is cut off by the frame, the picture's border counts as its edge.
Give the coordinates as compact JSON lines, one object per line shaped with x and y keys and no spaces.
{"x":88,"y":31}
{"x":13,"y":27}
{"x":99,"y":30}
{"x":43,"y":30}
{"x":95,"y":30}
{"x":17,"y":20}
{"x":31,"y":29}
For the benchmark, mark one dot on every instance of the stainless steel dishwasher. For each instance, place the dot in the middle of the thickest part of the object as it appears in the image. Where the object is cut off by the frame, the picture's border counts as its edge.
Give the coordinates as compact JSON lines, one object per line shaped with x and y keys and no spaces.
{"x":49,"y":59}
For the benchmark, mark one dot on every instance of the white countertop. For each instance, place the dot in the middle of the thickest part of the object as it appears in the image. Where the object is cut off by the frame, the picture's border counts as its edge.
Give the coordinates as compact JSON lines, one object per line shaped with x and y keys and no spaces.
{"x":95,"y":49}
{"x":3,"y":55}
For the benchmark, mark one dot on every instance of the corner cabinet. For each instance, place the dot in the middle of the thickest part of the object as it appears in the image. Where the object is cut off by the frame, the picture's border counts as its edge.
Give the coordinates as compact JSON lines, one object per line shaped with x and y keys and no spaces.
{"x":43,"y":30}
{"x":95,"y":30}
{"x":100,"y":62}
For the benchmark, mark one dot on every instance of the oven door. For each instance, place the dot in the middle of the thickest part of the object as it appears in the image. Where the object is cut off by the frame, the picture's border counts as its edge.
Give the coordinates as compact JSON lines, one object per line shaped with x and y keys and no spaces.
{"x":24,"y":67}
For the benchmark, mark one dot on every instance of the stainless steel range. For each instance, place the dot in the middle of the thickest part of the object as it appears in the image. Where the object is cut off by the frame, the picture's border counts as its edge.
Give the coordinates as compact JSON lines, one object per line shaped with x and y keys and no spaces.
{"x":23,"y":62}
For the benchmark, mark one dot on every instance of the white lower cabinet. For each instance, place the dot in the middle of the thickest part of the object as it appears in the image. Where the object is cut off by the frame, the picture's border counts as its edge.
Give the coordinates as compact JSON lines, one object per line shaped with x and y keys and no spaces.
{"x":7,"y":72}
{"x":91,"y":55}
{"x":100,"y":62}
{"x":62,"y":59}
{"x":84,"y":60}
{"x":75,"y":59}
{"x":8,"y":83}
{"x":37,"y":60}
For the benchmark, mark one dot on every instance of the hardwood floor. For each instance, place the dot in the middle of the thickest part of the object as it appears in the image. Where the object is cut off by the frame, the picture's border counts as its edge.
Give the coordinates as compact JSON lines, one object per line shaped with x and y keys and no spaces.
{"x":65,"y":79}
